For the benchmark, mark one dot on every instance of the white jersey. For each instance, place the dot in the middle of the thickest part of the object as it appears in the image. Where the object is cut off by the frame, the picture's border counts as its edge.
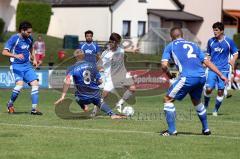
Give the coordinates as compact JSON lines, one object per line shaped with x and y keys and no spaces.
{"x":113,"y":63}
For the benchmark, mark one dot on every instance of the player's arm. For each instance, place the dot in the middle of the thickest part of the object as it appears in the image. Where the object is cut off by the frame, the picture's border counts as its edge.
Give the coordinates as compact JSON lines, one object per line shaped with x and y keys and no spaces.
{"x":8,"y":46}
{"x":66,"y":86}
{"x":210,"y":65}
{"x":165,"y":60}
{"x":33,"y":54}
{"x":232,"y":61}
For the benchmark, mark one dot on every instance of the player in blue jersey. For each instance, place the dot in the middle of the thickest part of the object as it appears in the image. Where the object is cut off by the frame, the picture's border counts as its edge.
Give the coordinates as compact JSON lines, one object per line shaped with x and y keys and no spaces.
{"x":86,"y":79}
{"x":219,"y":49}
{"x":188,"y":58}
{"x":90,"y":48}
{"x":19,"y":49}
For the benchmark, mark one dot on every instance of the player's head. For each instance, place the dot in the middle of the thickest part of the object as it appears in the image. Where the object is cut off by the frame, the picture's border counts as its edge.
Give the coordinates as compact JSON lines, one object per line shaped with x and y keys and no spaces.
{"x":176,"y":33}
{"x":218,"y":29}
{"x":114,"y":40}
{"x":39,"y":37}
{"x":25,"y":29}
{"x":78,"y":54}
{"x":89,"y":36}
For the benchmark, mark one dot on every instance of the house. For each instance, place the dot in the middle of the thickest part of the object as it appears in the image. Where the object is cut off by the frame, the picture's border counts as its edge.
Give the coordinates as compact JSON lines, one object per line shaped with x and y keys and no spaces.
{"x":130,"y":18}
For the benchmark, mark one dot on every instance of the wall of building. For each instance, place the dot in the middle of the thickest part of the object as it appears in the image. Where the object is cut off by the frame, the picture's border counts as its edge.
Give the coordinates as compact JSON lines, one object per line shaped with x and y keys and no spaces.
{"x":76,"y":20}
{"x":134,"y":11}
{"x":211,"y":13}
{"x":231,"y":4}
{"x":8,"y":13}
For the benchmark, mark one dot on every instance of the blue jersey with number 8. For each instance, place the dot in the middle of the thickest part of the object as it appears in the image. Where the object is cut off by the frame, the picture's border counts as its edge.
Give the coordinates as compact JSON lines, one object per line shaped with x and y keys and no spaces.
{"x":187,"y":56}
{"x":86,"y":80}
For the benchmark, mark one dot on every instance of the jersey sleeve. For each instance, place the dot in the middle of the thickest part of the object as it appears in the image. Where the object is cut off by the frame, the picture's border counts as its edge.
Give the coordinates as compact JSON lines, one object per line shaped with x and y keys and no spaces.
{"x":80,"y":45}
{"x":167,"y":52}
{"x":10,"y":43}
{"x":233,"y":47}
{"x":208,"y":52}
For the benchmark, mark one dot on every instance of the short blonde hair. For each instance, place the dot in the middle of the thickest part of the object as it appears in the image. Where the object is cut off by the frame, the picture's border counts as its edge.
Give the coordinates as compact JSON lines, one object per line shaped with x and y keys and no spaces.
{"x":78,"y":52}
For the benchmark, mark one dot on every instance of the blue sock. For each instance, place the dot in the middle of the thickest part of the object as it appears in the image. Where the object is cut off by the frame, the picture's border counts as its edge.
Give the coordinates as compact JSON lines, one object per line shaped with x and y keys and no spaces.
{"x":170,"y":114}
{"x":15,"y":93}
{"x":34,"y":94}
{"x":104,"y":107}
{"x":218,"y":103}
{"x":202,"y":114}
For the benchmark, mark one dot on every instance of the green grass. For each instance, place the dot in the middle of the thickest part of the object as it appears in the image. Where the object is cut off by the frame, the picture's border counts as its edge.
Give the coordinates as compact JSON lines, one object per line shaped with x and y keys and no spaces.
{"x":24,"y":136}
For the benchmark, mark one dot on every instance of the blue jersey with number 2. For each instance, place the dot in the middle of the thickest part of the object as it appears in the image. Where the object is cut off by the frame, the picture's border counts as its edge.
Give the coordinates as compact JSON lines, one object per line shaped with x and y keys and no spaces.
{"x":187,"y":56}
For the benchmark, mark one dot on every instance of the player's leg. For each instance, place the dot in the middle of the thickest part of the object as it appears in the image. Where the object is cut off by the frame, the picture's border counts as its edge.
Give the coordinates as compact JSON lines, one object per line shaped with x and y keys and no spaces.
{"x":209,"y":86}
{"x":106,"y":109}
{"x":176,"y":91}
{"x":195,"y":95}
{"x":18,"y":75}
{"x":220,"y":94}
{"x":31,"y":78}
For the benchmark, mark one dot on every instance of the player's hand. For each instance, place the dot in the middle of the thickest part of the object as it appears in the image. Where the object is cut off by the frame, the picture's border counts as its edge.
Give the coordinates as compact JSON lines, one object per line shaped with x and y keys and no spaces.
{"x":59,"y":101}
{"x":35,"y":63}
{"x":19,"y":56}
{"x":224,"y":79}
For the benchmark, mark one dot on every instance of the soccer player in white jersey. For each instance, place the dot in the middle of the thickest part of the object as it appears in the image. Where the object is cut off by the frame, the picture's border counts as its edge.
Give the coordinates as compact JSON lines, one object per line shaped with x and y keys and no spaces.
{"x":115,"y":73}
{"x":189,"y":59}
{"x":219,"y":49}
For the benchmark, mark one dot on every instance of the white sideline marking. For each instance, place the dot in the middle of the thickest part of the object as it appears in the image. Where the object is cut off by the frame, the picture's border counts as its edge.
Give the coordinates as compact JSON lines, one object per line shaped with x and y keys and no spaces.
{"x":113,"y":131}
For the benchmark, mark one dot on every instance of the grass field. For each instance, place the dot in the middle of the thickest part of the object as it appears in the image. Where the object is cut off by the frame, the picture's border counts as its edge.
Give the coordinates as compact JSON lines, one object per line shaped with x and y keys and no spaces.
{"x":23,"y":136}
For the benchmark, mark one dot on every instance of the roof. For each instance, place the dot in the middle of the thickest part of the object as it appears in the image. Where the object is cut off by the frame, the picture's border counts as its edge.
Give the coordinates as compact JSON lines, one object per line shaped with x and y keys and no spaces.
{"x":82,"y":3}
{"x":234,"y":13}
{"x":175,"y":15}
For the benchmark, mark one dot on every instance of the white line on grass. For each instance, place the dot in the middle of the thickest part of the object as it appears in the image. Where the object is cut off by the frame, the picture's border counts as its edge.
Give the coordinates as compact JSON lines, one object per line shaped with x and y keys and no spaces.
{"x":111,"y":130}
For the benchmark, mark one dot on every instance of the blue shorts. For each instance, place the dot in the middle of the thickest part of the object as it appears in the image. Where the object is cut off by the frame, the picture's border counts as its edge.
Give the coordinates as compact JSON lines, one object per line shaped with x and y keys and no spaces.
{"x":214,"y":80}
{"x":23,"y":72}
{"x":82,"y":103}
{"x":184,"y":85}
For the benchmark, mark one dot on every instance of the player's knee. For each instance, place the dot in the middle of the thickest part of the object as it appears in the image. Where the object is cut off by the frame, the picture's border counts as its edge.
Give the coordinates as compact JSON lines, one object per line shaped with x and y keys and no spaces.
{"x":167,"y":99}
{"x":18,"y":88}
{"x":207,"y":92}
{"x":220,"y":92}
{"x":132,"y":88}
{"x":34,"y":83}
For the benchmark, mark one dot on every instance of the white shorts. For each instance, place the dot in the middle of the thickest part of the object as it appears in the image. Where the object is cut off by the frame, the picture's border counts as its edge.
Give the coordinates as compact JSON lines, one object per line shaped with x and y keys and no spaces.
{"x":110,"y":86}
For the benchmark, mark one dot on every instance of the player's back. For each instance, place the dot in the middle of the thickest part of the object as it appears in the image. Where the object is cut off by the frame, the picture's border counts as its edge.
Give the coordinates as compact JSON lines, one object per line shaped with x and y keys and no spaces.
{"x":85,"y":77}
{"x":188,"y":57}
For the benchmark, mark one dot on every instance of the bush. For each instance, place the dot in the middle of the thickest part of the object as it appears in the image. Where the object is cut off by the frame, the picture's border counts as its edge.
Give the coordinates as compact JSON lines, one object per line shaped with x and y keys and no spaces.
{"x":2,"y":23}
{"x":38,"y":14}
{"x":236,"y":39}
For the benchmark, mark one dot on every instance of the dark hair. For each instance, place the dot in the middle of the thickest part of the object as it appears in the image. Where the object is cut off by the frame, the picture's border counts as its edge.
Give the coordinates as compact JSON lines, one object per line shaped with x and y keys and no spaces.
{"x":115,"y":37}
{"x":176,"y":32}
{"x":218,"y":25}
{"x":24,"y":25}
{"x":88,"y":32}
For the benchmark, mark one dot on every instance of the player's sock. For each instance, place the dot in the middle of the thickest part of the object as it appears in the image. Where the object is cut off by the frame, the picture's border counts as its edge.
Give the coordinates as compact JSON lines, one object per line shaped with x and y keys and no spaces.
{"x":202,"y":114}
{"x":15,"y":93}
{"x":218,"y":103}
{"x":206,"y":99}
{"x":34,"y":94}
{"x":126,"y":96}
{"x":170,"y":114}
{"x":104,"y":107}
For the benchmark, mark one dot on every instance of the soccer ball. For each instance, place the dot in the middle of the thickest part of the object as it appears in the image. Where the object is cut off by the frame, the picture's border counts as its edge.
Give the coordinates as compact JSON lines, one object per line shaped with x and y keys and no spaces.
{"x":128,"y":111}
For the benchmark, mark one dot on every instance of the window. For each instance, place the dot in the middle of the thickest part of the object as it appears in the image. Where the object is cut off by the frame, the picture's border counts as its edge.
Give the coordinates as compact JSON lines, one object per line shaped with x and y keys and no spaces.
{"x":126,"y":32}
{"x":141,"y":28}
{"x":142,"y":1}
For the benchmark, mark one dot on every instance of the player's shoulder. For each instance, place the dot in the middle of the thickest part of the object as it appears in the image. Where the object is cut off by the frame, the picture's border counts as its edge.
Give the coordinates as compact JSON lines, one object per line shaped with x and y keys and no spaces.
{"x":14,"y":37}
{"x":120,"y":50}
{"x":228,"y":39}
{"x":212,"y":39}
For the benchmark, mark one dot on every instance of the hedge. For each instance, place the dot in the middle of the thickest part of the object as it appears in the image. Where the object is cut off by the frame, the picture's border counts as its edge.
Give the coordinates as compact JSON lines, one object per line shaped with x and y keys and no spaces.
{"x":236,"y":39}
{"x":38,"y":14}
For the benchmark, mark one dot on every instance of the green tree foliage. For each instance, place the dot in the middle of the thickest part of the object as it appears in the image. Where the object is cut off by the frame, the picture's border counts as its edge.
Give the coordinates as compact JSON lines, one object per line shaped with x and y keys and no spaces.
{"x":35,"y":12}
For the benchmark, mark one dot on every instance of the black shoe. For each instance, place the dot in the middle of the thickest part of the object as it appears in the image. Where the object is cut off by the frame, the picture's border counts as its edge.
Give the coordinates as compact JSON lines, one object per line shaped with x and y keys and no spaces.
{"x":167,"y":133}
{"x":206,"y":132}
{"x":229,"y":96}
{"x":36,"y":112}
